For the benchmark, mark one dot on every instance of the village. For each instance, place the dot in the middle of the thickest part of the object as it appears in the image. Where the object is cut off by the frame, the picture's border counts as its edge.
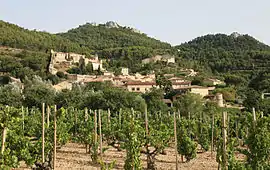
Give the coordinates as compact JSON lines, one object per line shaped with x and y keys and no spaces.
{"x":131,"y":82}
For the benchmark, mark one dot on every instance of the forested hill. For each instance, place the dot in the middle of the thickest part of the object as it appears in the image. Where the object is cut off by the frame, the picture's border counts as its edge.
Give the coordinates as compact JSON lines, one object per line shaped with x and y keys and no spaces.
{"x":100,"y":37}
{"x":223,"y":53}
{"x":14,"y":36}
{"x":84,"y":39}
{"x":233,"y":42}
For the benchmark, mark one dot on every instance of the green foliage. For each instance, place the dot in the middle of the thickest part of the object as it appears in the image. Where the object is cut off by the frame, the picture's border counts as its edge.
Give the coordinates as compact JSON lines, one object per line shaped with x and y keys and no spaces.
{"x":229,"y":93}
{"x":98,"y":95}
{"x":259,"y":146}
{"x":185,"y":145}
{"x":4,"y":80}
{"x":35,"y":91}
{"x":234,"y":80}
{"x":224,"y":53}
{"x":252,"y":98}
{"x":106,"y":166}
{"x":154,"y":101}
{"x":164,"y":83}
{"x":23,"y":64}
{"x":197,"y":80}
{"x":10,"y":95}
{"x":236,"y":58}
{"x":261,"y":81}
{"x":132,"y":130}
{"x":189,"y":103}
{"x":204,"y":136}
{"x":63,"y":127}
{"x":17,"y":37}
{"x":60,"y":74}
{"x":54,"y":79}
{"x":100,"y":37}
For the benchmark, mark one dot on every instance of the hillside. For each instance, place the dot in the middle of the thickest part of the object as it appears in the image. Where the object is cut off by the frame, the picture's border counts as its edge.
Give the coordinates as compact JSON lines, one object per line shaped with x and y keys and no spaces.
{"x":88,"y":38}
{"x":14,"y":36}
{"x":101,"y":37}
{"x":227,"y":53}
{"x":130,"y":47}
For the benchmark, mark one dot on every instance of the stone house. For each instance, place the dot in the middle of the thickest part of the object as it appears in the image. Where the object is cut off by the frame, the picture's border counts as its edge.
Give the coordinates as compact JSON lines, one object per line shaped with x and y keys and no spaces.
{"x":213,"y":82}
{"x":124,"y":71}
{"x":63,"y":85}
{"x":168,"y":58}
{"x":119,"y":82}
{"x":59,"y":57}
{"x":96,"y":63}
{"x":177,"y":85}
{"x":69,"y":59}
{"x":202,"y":91}
{"x":146,"y":61}
{"x":75,"y":58}
{"x":139,"y":87}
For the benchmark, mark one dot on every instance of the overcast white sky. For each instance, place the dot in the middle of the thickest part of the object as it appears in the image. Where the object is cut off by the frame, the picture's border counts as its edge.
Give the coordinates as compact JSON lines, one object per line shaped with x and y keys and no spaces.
{"x":173,"y":21}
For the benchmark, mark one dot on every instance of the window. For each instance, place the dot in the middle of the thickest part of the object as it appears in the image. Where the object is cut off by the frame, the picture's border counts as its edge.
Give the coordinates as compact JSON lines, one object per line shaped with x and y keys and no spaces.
{"x":138,"y":89}
{"x":133,"y":89}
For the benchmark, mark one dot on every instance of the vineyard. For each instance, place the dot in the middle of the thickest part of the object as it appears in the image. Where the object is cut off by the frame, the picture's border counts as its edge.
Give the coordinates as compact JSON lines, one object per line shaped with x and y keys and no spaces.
{"x":35,"y":135}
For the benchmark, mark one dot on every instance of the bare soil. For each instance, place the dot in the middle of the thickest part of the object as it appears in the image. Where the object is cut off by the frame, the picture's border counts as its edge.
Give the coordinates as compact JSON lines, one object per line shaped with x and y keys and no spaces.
{"x":73,"y":156}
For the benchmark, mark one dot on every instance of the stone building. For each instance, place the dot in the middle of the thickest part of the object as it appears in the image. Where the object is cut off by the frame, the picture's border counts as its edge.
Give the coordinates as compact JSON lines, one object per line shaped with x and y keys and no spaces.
{"x":140,"y":87}
{"x":213,"y":82}
{"x":60,"y":59}
{"x":177,"y":85}
{"x":166,"y":58}
{"x":124,"y":71}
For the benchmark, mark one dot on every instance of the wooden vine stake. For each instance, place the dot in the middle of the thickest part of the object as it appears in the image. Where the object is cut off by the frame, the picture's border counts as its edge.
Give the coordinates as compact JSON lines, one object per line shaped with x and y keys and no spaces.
{"x":95,"y":128}
{"x":254,"y":117}
{"x":23,"y":118}
{"x":76,"y":121}
{"x":175,"y":141}
{"x":43,"y":133}
{"x":4,"y":135}
{"x":189,"y":124}
{"x":48,"y":115}
{"x":146,"y":121}
{"x":85,"y":120}
{"x":54,"y":146}
{"x":212,"y":134}
{"x":109,"y":118}
{"x":100,"y":133}
{"x":120,"y":121}
{"x":236,"y":131}
{"x":224,"y":135}
{"x":228,"y":127}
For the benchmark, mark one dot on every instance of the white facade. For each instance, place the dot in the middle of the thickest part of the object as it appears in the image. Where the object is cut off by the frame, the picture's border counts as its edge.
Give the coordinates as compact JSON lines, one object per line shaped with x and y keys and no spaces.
{"x":203,"y":91}
{"x":171,"y":60}
{"x":124,"y":71}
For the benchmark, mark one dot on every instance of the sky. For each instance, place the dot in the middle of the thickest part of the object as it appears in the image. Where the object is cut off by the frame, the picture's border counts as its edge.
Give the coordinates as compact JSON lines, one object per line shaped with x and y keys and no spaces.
{"x":172,"y":21}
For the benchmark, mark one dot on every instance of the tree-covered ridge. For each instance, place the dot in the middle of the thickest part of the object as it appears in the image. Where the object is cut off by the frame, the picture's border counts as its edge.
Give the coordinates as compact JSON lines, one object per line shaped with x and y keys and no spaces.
{"x":222,"y":53}
{"x":233,"y":42}
{"x":12,"y":35}
{"x":101,"y":37}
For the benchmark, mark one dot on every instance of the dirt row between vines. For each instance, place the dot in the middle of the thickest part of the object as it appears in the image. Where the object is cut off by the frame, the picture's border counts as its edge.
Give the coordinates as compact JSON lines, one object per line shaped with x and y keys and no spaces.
{"x":73,"y":156}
